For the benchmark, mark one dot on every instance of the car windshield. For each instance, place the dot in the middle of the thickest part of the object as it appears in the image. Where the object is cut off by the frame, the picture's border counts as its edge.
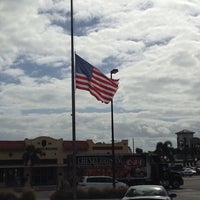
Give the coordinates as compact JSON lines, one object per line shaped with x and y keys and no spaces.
{"x":146,"y":191}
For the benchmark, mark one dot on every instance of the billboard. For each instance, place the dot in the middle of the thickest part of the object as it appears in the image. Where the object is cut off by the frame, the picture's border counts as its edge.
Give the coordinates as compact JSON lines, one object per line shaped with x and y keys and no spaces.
{"x":133,"y":166}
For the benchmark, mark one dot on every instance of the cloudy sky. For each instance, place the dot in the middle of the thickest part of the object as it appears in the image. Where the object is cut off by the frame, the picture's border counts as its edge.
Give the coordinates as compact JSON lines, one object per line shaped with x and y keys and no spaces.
{"x":155,"y":45}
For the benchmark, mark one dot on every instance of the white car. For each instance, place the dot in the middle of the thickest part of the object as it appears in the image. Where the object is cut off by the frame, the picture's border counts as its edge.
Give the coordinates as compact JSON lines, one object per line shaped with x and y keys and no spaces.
{"x":99,"y":182}
{"x":147,"y":192}
{"x":188,"y":172}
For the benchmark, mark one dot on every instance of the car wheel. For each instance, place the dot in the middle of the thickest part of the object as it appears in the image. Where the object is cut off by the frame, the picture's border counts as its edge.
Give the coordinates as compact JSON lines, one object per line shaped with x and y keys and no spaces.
{"x":165,"y":183}
{"x":175,"y":184}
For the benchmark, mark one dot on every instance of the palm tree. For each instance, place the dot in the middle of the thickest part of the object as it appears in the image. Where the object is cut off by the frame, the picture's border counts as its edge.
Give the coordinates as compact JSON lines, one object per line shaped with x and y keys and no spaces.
{"x":165,"y":151}
{"x":139,"y":151}
{"x":159,"y":149}
{"x":30,"y":156}
{"x":169,"y":150}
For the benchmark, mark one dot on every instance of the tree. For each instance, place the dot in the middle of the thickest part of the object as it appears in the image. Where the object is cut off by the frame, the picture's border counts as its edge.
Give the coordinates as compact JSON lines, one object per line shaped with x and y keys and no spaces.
{"x":139,"y":151}
{"x":168,"y":150}
{"x":30,"y":156}
{"x":165,"y":151}
{"x":159,"y":150}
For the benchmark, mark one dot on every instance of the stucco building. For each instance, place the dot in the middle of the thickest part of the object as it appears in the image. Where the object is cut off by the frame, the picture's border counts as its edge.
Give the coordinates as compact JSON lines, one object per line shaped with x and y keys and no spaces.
{"x":189,"y":146}
{"x":52,"y":166}
{"x":185,"y":138}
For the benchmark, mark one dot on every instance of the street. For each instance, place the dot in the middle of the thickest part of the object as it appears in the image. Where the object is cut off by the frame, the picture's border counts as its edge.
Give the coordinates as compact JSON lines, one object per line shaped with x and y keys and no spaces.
{"x":190,"y":189}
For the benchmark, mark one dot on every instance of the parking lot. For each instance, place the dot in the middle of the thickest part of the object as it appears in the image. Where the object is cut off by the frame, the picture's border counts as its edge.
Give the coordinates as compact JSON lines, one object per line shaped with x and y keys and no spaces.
{"x":190,"y":190}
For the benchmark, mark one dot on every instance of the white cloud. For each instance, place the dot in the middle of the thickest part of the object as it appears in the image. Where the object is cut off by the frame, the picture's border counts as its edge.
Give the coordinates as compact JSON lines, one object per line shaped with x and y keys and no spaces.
{"x":154,"y":44}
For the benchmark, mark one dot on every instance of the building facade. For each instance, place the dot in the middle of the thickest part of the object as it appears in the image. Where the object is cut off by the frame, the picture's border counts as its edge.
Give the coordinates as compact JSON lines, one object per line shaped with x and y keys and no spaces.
{"x":184,"y":138}
{"x":45,"y":160}
{"x":188,"y":146}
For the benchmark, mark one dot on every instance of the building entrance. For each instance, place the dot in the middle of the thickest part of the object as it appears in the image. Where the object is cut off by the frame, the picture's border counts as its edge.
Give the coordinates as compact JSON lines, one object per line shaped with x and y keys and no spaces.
{"x":44,"y":176}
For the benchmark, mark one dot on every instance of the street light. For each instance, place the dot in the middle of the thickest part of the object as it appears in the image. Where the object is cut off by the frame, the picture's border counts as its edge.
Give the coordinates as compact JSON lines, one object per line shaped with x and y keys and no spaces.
{"x":114,"y":71}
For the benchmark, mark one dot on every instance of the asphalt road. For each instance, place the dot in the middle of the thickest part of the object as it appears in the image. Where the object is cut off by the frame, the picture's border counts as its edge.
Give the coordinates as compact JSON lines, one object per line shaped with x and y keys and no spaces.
{"x":190,"y":190}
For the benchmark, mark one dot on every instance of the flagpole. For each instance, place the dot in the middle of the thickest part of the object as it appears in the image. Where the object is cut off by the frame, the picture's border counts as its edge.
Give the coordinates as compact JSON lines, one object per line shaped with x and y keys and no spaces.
{"x":114,"y":71}
{"x":73,"y":105}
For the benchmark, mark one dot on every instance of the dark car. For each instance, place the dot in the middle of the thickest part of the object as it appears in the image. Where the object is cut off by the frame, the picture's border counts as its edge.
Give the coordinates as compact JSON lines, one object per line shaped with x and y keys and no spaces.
{"x":171,"y":179}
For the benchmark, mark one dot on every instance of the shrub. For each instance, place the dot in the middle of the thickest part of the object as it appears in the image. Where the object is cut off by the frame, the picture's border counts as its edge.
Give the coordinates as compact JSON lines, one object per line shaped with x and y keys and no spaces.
{"x":120,"y":192}
{"x":61,"y":195}
{"x":91,"y":193}
{"x":8,"y":195}
{"x":28,"y":195}
{"x":94,"y":193}
{"x":82,"y":194}
{"x":66,"y":185}
{"x":110,"y":192}
{"x":114,"y":192}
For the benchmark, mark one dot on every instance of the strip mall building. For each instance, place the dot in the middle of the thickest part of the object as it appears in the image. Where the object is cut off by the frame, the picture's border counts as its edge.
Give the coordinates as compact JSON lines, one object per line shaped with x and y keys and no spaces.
{"x":55,"y":159}
{"x":53,"y":165}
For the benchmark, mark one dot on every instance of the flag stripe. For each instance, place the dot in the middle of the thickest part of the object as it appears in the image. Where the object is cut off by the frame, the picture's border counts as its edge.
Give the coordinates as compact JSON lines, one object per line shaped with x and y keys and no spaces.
{"x":91,"y":79}
{"x":106,"y":83}
{"x":94,"y":85}
{"x":98,"y":93}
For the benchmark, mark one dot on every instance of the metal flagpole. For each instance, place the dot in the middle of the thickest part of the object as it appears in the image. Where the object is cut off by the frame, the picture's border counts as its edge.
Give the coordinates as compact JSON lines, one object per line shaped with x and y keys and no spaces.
{"x":73,"y":105}
{"x":114,"y":71}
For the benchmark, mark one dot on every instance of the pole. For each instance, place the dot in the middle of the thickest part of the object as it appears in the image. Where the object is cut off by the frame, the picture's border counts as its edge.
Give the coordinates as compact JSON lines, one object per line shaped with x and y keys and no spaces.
{"x":73,"y":106}
{"x":114,"y":71}
{"x":113,"y":145}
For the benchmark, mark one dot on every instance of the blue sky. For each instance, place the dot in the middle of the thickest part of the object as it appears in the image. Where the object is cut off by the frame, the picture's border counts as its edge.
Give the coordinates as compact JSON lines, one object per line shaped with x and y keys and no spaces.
{"x":155,"y":45}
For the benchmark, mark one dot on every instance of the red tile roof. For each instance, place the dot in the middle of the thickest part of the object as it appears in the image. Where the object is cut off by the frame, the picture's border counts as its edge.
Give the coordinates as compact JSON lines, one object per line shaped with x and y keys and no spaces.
{"x":12,"y":145}
{"x":81,"y":145}
{"x":185,"y":131}
{"x":107,"y":148}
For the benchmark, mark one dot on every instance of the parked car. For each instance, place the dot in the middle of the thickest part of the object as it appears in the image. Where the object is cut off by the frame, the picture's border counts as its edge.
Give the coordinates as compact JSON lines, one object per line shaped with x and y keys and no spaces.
{"x":198,"y":170}
{"x":146,"y":192}
{"x":188,"y":172}
{"x":99,"y":182}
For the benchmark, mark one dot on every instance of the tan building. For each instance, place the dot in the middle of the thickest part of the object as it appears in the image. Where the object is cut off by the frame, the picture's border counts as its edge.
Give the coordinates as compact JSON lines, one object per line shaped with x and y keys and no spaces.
{"x":190,"y":147}
{"x":184,"y":138}
{"x":19,"y":165}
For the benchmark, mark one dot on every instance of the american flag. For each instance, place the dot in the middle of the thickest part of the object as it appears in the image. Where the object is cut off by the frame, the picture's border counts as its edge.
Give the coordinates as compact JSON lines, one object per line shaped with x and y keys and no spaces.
{"x":91,"y":79}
